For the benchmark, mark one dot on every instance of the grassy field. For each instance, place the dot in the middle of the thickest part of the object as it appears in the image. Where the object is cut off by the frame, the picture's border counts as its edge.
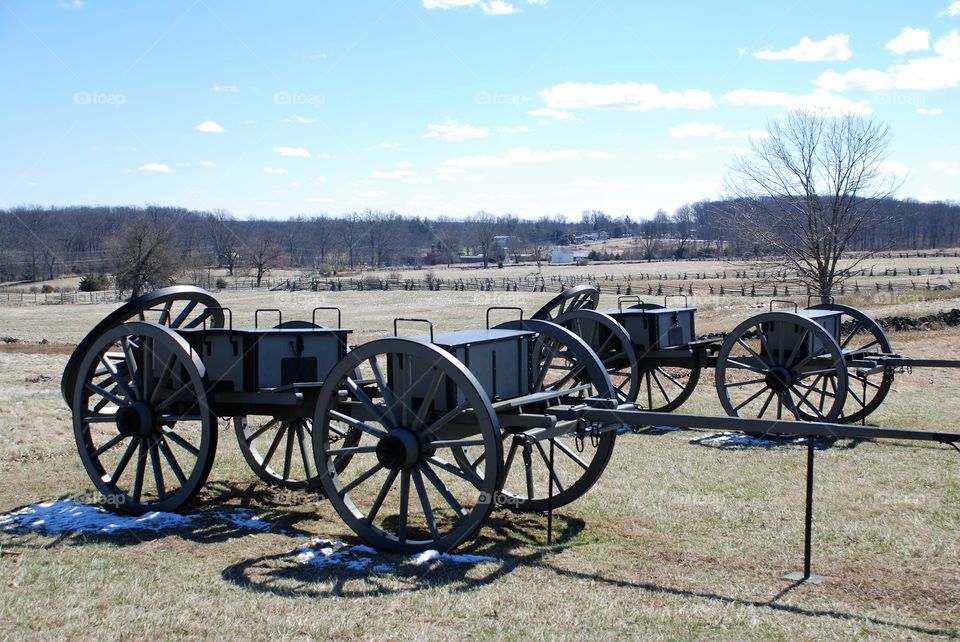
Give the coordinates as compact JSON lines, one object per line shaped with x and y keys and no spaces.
{"x":678,"y":539}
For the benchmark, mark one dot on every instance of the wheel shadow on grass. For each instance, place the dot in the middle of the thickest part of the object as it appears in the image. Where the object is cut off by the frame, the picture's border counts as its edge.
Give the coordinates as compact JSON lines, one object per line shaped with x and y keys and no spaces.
{"x":351,"y":570}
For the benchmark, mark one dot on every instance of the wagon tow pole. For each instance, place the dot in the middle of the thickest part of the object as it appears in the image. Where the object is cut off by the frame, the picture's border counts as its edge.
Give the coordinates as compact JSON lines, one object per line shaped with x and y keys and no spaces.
{"x":600,"y":412}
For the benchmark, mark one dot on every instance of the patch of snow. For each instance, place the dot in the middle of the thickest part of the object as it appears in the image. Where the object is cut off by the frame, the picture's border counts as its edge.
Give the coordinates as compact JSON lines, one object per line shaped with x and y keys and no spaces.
{"x":244,"y":518}
{"x":743,"y":440}
{"x":362,"y":558}
{"x":71,"y":516}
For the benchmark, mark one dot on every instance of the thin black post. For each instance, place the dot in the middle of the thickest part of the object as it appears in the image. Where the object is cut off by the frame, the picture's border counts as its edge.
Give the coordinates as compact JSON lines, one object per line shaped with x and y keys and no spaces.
{"x":550,"y":499}
{"x":808,"y":526}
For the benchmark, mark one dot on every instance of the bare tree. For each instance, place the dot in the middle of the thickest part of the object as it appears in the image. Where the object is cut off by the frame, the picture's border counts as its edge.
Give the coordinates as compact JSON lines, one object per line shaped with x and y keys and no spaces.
{"x":650,"y":232}
{"x":683,"y":224}
{"x":143,"y":257}
{"x":264,"y":255}
{"x":483,"y":228}
{"x":223,"y":236}
{"x":811,"y":186}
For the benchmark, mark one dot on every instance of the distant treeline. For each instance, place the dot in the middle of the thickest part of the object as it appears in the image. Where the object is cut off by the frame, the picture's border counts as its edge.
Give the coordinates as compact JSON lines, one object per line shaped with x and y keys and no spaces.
{"x":39,"y":243}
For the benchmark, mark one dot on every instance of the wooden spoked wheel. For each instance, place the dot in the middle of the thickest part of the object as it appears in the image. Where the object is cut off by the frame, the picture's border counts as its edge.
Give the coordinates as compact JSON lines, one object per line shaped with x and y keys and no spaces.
{"x":665,"y":388}
{"x":179,"y":306}
{"x":575,"y":298}
{"x":402,"y":489}
{"x":860,"y":336}
{"x":610,"y":341}
{"x":780,"y":365}
{"x":563,"y":364}
{"x":141,"y":418}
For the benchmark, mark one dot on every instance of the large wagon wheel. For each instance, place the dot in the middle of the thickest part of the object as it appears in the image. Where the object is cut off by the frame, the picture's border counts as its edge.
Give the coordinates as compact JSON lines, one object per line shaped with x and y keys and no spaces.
{"x":141,"y":418}
{"x":804,"y":379}
{"x":561,"y":362}
{"x":575,"y":298}
{"x":401,"y":489}
{"x":279,"y":450}
{"x":860,"y":335}
{"x":610,"y":341}
{"x":179,"y":306}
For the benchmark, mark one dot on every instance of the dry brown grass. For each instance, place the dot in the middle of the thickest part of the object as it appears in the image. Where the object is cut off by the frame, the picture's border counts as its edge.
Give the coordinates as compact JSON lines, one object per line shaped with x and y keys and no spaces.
{"x":675,"y":541}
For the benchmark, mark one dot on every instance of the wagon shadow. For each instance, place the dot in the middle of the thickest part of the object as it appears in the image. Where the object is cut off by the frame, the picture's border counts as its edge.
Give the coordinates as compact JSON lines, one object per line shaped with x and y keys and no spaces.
{"x":507,"y":541}
{"x":772,"y":604}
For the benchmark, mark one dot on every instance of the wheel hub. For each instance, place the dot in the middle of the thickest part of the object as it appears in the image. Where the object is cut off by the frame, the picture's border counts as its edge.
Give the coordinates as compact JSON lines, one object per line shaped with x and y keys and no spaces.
{"x":400,"y":449}
{"x":779,"y":378}
{"x":135,"y":420}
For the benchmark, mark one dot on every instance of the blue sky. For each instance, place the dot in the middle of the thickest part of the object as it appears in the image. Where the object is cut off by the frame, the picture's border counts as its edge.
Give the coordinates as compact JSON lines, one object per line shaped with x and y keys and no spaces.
{"x":446,"y":107}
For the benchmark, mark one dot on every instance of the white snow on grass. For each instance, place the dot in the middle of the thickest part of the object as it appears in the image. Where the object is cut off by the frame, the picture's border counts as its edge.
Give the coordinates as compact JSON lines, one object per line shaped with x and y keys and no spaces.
{"x":335,"y":554}
{"x":743,"y":440}
{"x":71,"y":516}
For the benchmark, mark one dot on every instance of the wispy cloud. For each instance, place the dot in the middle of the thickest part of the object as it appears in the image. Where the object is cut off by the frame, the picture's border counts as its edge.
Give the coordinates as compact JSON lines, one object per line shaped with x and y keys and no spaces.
{"x":818,"y":100}
{"x":224,"y":89}
{"x":556,"y":114}
{"x":624,"y":95}
{"x":292,"y":152}
{"x":274,"y":170}
{"x":522,"y":156}
{"x":489,"y":7}
{"x":451,"y":131}
{"x":831,"y":48}
{"x":155,"y":167}
{"x":73,"y":4}
{"x":712,"y":130}
{"x":209,"y":127}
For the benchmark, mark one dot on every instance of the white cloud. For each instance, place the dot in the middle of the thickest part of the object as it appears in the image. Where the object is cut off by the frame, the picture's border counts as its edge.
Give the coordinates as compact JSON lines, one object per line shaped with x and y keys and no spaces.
{"x":489,"y":7}
{"x":73,"y":4}
{"x":894,"y":168}
{"x":292,"y":152}
{"x":626,"y":95}
{"x":954,"y":8}
{"x":835,"y":47}
{"x":712,"y":130}
{"x":224,"y":89}
{"x":933,"y":111}
{"x":403,"y":170}
{"x":155,"y":167}
{"x":521,"y":156}
{"x":388,"y":145}
{"x":910,"y":39}
{"x":209,"y":127}
{"x":513,"y":130}
{"x":941,"y":71}
{"x":274,"y":170}
{"x":206,"y":163}
{"x":498,"y":8}
{"x":404,"y":164}
{"x":818,"y":100}
{"x":453,"y":132}
{"x":546,"y":112}
{"x":951,"y":167}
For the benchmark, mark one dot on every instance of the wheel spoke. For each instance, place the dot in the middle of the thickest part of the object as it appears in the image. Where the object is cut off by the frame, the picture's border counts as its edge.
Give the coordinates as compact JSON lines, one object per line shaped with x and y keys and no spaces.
{"x":259,"y":431}
{"x":362,"y":478}
{"x":796,"y":346}
{"x":546,"y":462}
{"x":766,"y":404}
{"x":442,"y":489}
{"x":141,"y":469}
{"x":754,"y":352}
{"x":746,"y":366}
{"x":115,"y":375}
{"x":382,"y":495}
{"x":171,"y":461}
{"x":404,"y":506}
{"x":388,"y":397}
{"x":299,"y":427}
{"x":565,"y":449}
{"x":288,"y":455}
{"x":184,"y":314}
{"x":425,"y":504}
{"x":116,"y":439}
{"x":751,"y":398}
{"x":380,"y":412}
{"x":448,"y":417}
{"x":132,"y":368}
{"x":456,"y":472}
{"x":157,"y":471}
{"x":429,"y":396}
{"x":180,"y":441}
{"x":124,"y":460}
{"x":274,"y":444}
{"x":356,"y":423}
